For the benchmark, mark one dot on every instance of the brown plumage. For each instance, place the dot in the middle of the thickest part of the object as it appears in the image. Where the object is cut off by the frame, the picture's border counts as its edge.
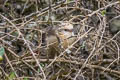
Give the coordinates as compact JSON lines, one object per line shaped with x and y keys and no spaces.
{"x":61,"y":40}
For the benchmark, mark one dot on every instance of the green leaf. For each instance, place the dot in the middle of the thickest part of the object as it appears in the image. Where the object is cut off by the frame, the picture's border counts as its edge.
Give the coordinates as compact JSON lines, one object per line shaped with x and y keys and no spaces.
{"x":1,"y":58}
{"x":38,"y":70}
{"x":12,"y":76}
{"x":103,"y":12}
{"x":15,"y":33}
{"x":42,"y":64}
{"x":25,"y":79}
{"x":2,"y":51}
{"x":69,"y":0}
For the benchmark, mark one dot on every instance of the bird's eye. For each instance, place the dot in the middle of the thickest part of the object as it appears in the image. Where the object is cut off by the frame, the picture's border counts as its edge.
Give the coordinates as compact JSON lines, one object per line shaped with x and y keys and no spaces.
{"x":65,"y":29}
{"x":68,"y":30}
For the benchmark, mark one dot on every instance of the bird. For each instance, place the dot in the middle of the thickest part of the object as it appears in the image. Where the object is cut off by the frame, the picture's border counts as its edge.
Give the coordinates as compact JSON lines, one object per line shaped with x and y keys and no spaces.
{"x":60,"y":39}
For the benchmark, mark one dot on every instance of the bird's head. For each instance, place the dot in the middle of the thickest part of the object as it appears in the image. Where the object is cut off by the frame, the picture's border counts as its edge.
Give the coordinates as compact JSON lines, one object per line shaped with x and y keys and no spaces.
{"x":66,"y":29}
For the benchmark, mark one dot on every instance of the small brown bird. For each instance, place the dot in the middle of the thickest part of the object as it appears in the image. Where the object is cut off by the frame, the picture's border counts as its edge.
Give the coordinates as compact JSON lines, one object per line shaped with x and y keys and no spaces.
{"x":62,"y":38}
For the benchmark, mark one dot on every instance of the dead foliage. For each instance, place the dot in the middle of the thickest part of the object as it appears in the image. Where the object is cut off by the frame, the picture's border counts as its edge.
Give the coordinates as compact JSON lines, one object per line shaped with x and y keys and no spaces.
{"x":25,"y":25}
